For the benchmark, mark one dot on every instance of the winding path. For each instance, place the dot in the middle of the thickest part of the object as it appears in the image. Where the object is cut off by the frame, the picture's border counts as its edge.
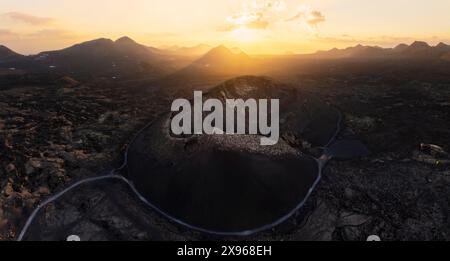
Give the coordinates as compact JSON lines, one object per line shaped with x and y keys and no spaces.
{"x":113,"y":174}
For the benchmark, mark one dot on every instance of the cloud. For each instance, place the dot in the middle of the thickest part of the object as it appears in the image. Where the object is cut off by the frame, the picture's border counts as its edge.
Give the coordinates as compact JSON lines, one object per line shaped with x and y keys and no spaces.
{"x":296,"y":17}
{"x":311,"y":17}
{"x":256,"y":16}
{"x":263,"y":15}
{"x":6,"y":33}
{"x":249,"y":20}
{"x":45,"y":39}
{"x":28,"y":19}
{"x":51,"y":34}
{"x":277,"y":6}
{"x":39,"y":35}
{"x":258,"y":24}
{"x":227,"y":28}
{"x":270,"y":6}
{"x":315,"y":18}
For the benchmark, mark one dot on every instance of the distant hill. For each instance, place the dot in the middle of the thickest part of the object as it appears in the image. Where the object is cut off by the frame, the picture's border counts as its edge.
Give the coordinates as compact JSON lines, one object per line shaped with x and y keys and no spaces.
{"x":355,"y":51}
{"x":197,"y":50}
{"x":104,"y":56}
{"x":417,"y":49}
{"x":123,"y":58}
{"x":7,"y":55}
{"x":217,"y":65}
{"x":219,"y":61}
{"x":443,"y":46}
{"x":123,"y":47}
{"x":5,"y":52}
{"x":401,"y":47}
{"x":222,"y":59}
{"x":174,"y":66}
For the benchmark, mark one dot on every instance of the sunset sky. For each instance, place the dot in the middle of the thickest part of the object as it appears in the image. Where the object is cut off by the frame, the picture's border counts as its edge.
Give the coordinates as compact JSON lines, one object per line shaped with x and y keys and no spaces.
{"x":301,"y":26}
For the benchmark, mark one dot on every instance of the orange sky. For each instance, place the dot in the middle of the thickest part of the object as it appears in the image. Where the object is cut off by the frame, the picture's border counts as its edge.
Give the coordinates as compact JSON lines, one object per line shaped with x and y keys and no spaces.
{"x":272,"y":26}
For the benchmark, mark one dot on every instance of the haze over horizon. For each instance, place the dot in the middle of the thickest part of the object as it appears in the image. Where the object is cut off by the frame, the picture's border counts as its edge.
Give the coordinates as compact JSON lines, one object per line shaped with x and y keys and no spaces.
{"x":256,"y":27}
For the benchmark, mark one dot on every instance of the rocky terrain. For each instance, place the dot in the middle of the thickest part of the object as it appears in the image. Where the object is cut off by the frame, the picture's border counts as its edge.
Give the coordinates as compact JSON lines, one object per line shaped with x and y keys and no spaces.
{"x":54,"y":134}
{"x":58,"y":126}
{"x":400,"y":192}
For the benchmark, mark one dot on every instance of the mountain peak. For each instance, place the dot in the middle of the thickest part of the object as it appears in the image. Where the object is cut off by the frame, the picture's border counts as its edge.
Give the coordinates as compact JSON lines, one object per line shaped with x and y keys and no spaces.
{"x":361,"y":47}
{"x":221,"y":56}
{"x":442,"y":45}
{"x":102,"y":44}
{"x":401,"y":46}
{"x":201,"y":46}
{"x":221,"y":48}
{"x":4,"y":48}
{"x":218,"y":52}
{"x":5,"y":51}
{"x":236,"y":50}
{"x":93,"y":43}
{"x":125,"y":40}
{"x":420,"y":44}
{"x":100,"y":40}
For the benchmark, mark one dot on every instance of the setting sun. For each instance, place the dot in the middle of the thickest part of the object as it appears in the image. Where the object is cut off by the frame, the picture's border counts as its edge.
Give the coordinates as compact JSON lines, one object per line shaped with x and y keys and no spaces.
{"x":255,"y":26}
{"x":224,"y":120}
{"x":243,"y":34}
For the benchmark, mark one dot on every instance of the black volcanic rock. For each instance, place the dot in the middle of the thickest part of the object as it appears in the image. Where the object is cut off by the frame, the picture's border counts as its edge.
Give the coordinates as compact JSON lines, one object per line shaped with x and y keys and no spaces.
{"x":230,"y":183}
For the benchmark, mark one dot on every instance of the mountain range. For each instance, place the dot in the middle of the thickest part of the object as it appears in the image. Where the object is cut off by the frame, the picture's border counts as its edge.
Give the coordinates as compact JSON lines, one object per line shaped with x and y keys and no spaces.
{"x":417,"y":49}
{"x":124,"y":58}
{"x":105,"y":56}
{"x":215,"y":66}
{"x":197,"y":50}
{"x":222,"y":59}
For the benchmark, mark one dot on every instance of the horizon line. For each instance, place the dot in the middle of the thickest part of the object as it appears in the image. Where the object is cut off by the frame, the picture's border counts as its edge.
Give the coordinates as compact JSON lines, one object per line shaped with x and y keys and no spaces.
{"x":287,"y":52}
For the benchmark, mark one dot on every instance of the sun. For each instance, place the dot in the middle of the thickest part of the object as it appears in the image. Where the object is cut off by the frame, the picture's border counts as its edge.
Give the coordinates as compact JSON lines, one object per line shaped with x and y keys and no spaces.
{"x":243,"y":34}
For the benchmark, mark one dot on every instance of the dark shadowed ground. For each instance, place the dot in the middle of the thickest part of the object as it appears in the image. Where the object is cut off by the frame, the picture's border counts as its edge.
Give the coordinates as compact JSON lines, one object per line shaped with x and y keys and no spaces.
{"x":55,"y":133}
